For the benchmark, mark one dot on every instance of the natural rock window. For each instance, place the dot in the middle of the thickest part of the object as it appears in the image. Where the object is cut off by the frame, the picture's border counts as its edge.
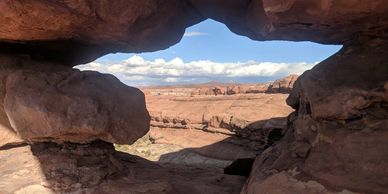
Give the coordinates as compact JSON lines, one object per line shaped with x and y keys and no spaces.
{"x":59,"y":125}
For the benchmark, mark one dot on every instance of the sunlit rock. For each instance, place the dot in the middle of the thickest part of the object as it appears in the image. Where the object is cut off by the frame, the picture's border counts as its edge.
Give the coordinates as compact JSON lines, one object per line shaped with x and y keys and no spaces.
{"x":283,"y":85}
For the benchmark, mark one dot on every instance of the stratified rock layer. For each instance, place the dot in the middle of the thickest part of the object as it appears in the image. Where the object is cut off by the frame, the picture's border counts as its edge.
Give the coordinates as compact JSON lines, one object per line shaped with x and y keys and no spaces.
{"x":74,"y":106}
{"x":338,"y":135}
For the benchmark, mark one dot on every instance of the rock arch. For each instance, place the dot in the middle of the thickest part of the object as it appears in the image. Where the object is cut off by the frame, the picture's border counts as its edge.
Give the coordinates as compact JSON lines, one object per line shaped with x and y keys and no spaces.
{"x":339,"y":143}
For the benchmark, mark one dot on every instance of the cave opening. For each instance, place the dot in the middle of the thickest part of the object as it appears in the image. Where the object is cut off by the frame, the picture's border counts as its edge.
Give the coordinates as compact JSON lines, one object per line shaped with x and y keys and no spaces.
{"x":209,"y":51}
{"x":215,"y":97}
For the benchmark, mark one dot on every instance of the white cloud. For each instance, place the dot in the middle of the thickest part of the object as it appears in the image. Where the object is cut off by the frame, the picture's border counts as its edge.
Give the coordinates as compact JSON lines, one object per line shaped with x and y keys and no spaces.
{"x":171,"y":79}
{"x":138,"y":71}
{"x":194,"y":33}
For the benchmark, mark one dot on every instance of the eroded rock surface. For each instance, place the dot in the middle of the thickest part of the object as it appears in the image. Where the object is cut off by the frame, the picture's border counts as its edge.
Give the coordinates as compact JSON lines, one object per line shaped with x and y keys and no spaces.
{"x":209,"y":131}
{"x":8,"y":65}
{"x":73,"y":32}
{"x":338,"y":134}
{"x":43,"y":102}
{"x":324,"y":21}
{"x":250,"y":116}
{"x":74,"y":106}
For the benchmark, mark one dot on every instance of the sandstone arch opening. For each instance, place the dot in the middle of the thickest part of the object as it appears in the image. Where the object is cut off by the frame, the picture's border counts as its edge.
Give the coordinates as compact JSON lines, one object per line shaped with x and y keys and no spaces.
{"x":208,"y":52}
{"x":214,"y":97}
{"x":335,"y":140}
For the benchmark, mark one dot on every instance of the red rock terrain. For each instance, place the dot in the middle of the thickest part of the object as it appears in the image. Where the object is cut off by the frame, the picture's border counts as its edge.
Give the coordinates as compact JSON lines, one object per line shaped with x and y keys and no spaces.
{"x":207,"y":130}
{"x":98,"y":168}
{"x":335,"y":140}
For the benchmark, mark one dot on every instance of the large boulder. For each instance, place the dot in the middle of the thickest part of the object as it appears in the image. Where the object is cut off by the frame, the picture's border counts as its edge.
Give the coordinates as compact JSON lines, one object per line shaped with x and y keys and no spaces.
{"x":9,"y":64}
{"x":8,"y":136}
{"x":74,"y":106}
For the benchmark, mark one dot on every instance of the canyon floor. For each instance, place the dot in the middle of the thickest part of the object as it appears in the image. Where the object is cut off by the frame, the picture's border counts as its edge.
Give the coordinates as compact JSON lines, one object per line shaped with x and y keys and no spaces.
{"x":208,"y":131}
{"x":195,"y":132}
{"x":192,"y":139}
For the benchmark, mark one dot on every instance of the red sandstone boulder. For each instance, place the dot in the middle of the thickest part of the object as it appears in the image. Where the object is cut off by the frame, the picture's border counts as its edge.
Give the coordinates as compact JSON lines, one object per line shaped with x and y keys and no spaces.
{"x":74,"y":106}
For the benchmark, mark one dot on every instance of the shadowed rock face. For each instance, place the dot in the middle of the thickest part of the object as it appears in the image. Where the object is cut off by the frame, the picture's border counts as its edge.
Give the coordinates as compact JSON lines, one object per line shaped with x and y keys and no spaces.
{"x":338,"y":133}
{"x":240,"y":167}
{"x":74,"y":32}
{"x":8,"y":65}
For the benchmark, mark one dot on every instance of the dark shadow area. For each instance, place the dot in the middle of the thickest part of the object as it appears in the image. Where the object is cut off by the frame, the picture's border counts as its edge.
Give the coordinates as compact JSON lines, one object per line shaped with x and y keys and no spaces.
{"x":11,"y":146}
{"x":234,"y":155}
{"x":64,"y":51}
{"x":241,"y":167}
{"x":98,"y":168}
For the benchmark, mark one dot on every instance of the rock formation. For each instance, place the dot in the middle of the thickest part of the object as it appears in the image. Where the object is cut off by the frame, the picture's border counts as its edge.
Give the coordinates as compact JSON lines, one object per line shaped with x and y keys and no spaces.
{"x":335,"y":141}
{"x":283,"y":85}
{"x":338,"y":133}
{"x":74,"y":106}
{"x":211,"y":131}
{"x":207,"y":89}
{"x":67,"y":105}
{"x":250,"y":116}
{"x":73,"y":32}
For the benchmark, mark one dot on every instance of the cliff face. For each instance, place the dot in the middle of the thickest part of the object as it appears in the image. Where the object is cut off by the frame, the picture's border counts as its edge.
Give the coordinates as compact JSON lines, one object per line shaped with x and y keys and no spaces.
{"x":337,"y":134}
{"x":335,"y":140}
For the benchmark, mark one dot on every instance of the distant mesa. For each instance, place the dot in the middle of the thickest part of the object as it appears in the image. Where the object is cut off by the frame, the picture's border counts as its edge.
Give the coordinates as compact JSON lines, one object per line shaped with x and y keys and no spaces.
{"x":214,"y":88}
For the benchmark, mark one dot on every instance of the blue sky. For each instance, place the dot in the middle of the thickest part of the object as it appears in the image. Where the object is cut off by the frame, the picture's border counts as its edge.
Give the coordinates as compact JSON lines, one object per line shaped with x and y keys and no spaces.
{"x":210,"y":52}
